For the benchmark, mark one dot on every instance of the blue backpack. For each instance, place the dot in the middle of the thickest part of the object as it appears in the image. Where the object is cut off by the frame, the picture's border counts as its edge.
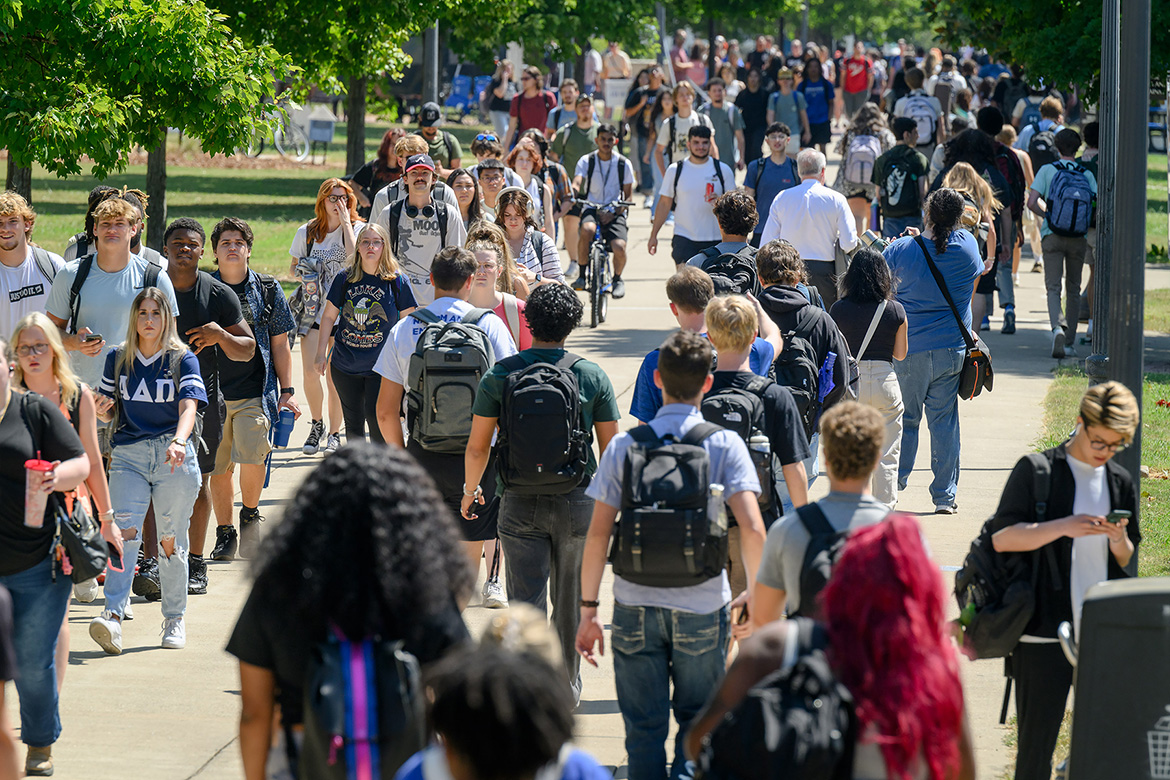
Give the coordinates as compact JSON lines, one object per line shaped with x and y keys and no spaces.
{"x":1070,"y":201}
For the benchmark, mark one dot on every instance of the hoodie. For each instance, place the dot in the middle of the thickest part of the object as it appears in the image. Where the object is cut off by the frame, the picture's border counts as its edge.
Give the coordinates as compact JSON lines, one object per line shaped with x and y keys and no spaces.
{"x":782,"y":304}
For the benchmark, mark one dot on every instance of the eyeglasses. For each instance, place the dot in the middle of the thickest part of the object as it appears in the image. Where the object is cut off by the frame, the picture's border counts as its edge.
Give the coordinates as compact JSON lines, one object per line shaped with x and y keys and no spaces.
{"x":371,"y":242}
{"x":24,"y":350}
{"x":486,"y":266}
{"x":490,"y":177}
{"x":337,"y":198}
{"x":486,"y":137}
{"x":1101,"y":446}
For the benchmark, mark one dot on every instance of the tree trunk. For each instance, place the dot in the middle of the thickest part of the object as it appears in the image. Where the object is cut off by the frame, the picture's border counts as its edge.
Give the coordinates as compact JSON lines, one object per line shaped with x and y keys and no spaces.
{"x":19,"y":179}
{"x":156,"y":192}
{"x":355,"y":125}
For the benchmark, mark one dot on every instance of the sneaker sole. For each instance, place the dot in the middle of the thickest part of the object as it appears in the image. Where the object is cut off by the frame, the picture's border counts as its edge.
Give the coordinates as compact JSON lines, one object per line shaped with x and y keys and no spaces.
{"x":495,"y":604}
{"x":146,"y":589}
{"x":172,"y":645}
{"x":307,"y":450}
{"x":196,"y":590}
{"x":1058,"y":345}
{"x":105,"y":640}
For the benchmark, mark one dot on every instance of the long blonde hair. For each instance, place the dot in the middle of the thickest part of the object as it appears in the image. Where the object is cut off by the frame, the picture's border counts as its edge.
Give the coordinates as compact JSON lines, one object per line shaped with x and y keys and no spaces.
{"x":387,"y":264}
{"x":489,"y":237}
{"x":169,"y":340}
{"x":62,"y":370}
{"x":964,"y":179}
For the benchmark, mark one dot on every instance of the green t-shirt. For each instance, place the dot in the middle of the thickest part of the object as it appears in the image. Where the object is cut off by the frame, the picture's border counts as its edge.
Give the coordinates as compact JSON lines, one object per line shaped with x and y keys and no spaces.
{"x":897,"y":173}
{"x":598,"y":401}
{"x":438,"y":149}
{"x":571,"y":143}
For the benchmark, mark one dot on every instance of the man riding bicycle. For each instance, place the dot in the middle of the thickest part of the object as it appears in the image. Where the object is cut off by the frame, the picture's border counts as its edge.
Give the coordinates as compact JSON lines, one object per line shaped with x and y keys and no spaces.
{"x":604,"y":177}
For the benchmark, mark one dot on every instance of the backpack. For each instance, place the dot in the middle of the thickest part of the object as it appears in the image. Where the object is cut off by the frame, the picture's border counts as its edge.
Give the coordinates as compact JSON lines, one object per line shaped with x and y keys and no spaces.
{"x":678,"y":175}
{"x":1031,"y":113}
{"x":665,"y":537}
{"x":700,"y":119}
{"x":1070,"y":201}
{"x":972,"y":220}
{"x":621,"y":174}
{"x":763,"y":161}
{"x":860,"y":158}
{"x":741,"y":409}
{"x":797,"y":367}
{"x":825,"y":544}
{"x":944,"y":92}
{"x":363,"y":710}
{"x":1009,"y":166}
{"x":84,"y":266}
{"x":1042,"y":146}
{"x":733,"y":273}
{"x":797,"y":723}
{"x":1017,"y":90}
{"x":901,"y":184}
{"x":449,"y":143}
{"x":921,"y":110}
{"x":395,"y":217}
{"x":44,"y":263}
{"x":81,"y":241}
{"x":543,"y":446}
{"x":444,"y":372}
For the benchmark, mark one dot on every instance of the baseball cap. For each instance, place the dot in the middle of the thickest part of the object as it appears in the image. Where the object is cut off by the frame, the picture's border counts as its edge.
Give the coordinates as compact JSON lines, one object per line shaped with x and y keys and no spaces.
{"x":420,"y":161}
{"x":430,"y":115}
{"x":784,"y":73}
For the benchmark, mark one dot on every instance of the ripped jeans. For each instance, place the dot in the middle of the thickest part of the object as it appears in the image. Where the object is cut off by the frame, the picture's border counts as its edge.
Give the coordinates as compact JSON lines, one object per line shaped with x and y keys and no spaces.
{"x":139,"y":474}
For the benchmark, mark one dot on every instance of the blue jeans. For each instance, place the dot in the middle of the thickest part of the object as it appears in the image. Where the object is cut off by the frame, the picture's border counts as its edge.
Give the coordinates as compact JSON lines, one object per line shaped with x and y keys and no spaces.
{"x":931,"y":379}
{"x":500,"y":121}
{"x":139,"y":475}
{"x":653,"y":648}
{"x":892,"y":227}
{"x":38,"y":606}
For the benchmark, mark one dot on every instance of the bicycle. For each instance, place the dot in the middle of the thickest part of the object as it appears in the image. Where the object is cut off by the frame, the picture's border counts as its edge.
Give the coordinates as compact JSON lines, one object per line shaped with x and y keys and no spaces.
{"x":287,"y":138}
{"x":599,"y":271}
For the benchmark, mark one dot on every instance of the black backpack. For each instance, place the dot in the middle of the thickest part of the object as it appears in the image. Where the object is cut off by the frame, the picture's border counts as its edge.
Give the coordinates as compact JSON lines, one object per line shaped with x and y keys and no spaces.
{"x":741,"y":409}
{"x":395,"y":217}
{"x":665,"y":537}
{"x":797,"y":723}
{"x":732,"y":273}
{"x":1042,"y":147}
{"x":543,"y":447}
{"x":825,"y":544}
{"x":797,"y":367}
{"x":150,"y":279}
{"x":678,"y":175}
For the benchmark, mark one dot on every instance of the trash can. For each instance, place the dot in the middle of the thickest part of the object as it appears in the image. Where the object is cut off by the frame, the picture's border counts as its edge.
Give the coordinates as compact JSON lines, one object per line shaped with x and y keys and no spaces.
{"x":1121,"y":704}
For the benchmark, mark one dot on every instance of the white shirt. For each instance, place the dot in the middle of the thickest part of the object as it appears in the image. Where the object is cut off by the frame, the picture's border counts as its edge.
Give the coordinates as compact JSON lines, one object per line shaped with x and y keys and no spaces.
{"x":511,"y":178}
{"x":811,"y":217}
{"x":1090,"y":554}
{"x":418,"y":243}
{"x":603,"y":187}
{"x":330,"y":253}
{"x":24,"y":289}
{"x":698,"y":187}
{"x":682,"y":124}
{"x":396,"y":191}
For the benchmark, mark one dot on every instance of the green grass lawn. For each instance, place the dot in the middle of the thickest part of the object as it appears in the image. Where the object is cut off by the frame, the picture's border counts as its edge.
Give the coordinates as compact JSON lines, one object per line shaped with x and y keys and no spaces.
{"x":1158,"y":310}
{"x":1156,"y":224}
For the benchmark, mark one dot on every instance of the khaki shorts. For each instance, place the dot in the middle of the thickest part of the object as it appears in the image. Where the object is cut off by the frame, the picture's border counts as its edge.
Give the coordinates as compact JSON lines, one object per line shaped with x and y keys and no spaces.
{"x":245,"y":435}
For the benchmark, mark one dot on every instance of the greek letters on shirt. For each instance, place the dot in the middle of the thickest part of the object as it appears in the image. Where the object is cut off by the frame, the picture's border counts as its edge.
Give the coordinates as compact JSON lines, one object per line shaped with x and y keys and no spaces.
{"x":164,"y":391}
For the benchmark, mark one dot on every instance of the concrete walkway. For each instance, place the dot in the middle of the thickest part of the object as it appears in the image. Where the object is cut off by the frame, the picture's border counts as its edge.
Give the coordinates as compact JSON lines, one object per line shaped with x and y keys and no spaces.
{"x":152,"y":713}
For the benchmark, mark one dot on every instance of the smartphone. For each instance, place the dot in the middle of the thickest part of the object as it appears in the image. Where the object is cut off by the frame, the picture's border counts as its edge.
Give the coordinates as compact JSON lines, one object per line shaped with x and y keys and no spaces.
{"x":91,"y":337}
{"x":1116,"y":515}
{"x":743,"y":616}
{"x":115,"y":558}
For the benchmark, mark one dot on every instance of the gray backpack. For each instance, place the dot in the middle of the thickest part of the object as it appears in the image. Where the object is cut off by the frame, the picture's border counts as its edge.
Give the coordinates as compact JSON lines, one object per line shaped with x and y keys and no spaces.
{"x":444,"y":372}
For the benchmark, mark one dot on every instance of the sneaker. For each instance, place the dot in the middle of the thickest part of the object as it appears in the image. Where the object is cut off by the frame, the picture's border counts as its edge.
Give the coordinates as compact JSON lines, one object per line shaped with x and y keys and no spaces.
{"x":333,"y":443}
{"x":1009,"y":322}
{"x":1038,"y":267}
{"x":106,"y":630}
{"x":572,"y":272}
{"x":174,"y":634}
{"x":313,"y":443}
{"x":196,"y":575}
{"x":38,"y":762}
{"x":986,"y":324}
{"x":128,"y":613}
{"x":946,"y":509}
{"x":1070,"y":351}
{"x":86,"y":592}
{"x":619,"y":288}
{"x":1016,"y":278}
{"x":226,"y":543}
{"x":579,"y":282}
{"x":250,"y":521}
{"x":146,"y":582}
{"x":493,"y":595}
{"x":1058,"y":343}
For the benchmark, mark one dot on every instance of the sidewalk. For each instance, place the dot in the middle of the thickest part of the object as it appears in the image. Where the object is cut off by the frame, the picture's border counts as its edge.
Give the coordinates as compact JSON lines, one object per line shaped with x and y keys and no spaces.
{"x":169,"y":715}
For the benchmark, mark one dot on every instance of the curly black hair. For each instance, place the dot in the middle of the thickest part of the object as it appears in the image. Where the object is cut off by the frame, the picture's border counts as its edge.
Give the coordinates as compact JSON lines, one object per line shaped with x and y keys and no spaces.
{"x":944,"y":209}
{"x":868,"y":279}
{"x":736,"y":213}
{"x":553,"y":310}
{"x":974,"y":147}
{"x":185,"y":223}
{"x":367,"y":544}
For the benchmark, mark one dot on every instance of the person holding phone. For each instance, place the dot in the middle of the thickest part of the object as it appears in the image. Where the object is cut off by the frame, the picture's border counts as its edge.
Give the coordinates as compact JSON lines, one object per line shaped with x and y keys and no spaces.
{"x":1093,"y":530}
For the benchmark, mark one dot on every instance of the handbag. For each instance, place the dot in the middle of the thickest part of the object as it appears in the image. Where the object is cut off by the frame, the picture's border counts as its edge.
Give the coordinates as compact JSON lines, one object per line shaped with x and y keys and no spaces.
{"x":976,"y":374}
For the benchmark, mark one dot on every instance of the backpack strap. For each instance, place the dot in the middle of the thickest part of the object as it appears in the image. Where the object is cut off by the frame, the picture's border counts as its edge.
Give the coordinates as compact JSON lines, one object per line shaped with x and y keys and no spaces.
{"x":450,"y":148}
{"x":427,"y":316}
{"x":673,"y":138}
{"x":568,"y":360}
{"x":678,"y":166}
{"x":474,"y":316}
{"x":441,"y":213}
{"x":813,"y":518}
{"x":644,"y":435}
{"x":589,"y":175}
{"x":512,"y":317}
{"x":761,"y":163}
{"x":621,"y":164}
{"x":1041,"y":488}
{"x":150,"y":277}
{"x":873,"y":324}
{"x":700,"y":433}
{"x":44,"y":262}
{"x":83,"y":269}
{"x":710,"y":253}
{"x":758,"y":385}
{"x":394,"y":217}
{"x":718,"y":175}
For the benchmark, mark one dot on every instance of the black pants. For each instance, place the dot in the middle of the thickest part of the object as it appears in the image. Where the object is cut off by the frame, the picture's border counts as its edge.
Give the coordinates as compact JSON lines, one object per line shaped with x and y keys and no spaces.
{"x":822,"y":274}
{"x":359,"y":404}
{"x":1043,"y":677}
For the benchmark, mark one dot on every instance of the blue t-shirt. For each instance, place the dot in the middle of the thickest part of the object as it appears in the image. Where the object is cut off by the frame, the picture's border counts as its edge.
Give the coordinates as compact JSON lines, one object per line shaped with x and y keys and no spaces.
{"x":149,"y":402}
{"x":430,"y":763}
{"x":930,"y":323}
{"x":774,"y":180}
{"x":819,"y":95}
{"x":368,"y":310}
{"x":647,"y":398}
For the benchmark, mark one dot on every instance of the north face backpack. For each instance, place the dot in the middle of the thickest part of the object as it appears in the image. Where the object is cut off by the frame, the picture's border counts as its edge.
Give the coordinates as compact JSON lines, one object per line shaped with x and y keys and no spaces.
{"x":860,"y":158}
{"x":665,"y":536}
{"x":543,"y":447}
{"x":1070,"y":201}
{"x":1031,"y":113}
{"x":921,"y":110}
{"x":741,"y":409}
{"x":1042,"y":146}
{"x":825,"y":544}
{"x":797,"y":723}
{"x":798,"y":368}
{"x":732,"y":273}
{"x":443,"y":377}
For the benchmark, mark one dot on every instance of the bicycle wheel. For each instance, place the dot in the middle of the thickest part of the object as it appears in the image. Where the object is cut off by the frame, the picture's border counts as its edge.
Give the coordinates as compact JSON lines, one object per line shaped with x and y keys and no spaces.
{"x":255,"y":145}
{"x":596,"y":296}
{"x":291,"y":141}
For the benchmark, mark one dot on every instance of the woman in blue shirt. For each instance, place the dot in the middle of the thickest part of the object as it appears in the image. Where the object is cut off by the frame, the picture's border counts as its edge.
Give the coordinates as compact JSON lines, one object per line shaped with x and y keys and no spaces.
{"x":366,"y":303}
{"x":819,"y":95}
{"x":151,"y":391}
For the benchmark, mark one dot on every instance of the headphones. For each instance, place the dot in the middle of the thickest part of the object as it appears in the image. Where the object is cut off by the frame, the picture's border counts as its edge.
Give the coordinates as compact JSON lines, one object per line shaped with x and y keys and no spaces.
{"x":528,"y":206}
{"x":428,"y":210}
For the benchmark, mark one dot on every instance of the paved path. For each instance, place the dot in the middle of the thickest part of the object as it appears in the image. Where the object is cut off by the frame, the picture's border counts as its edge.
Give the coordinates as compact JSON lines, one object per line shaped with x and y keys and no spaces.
{"x":173,"y":714}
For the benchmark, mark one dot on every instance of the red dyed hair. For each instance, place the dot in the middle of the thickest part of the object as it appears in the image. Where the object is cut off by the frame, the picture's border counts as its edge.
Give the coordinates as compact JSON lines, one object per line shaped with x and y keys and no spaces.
{"x":318,"y":227}
{"x":526,"y":145}
{"x":888,"y":643}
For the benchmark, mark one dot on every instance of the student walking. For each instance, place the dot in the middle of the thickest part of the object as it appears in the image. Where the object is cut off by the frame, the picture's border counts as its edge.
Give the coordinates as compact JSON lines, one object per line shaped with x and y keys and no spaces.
{"x":692,"y":185}
{"x":767,"y":177}
{"x":901,"y":177}
{"x":865,"y":140}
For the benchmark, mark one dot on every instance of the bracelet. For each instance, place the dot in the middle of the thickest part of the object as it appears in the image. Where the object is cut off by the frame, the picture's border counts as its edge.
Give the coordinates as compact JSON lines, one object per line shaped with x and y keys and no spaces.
{"x":590,"y":604}
{"x":179,"y":441}
{"x":288,"y":391}
{"x":107,"y":517}
{"x":473,"y":493}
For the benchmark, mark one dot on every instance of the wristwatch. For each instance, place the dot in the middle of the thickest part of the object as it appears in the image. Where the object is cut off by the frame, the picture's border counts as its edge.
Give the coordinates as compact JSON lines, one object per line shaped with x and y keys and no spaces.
{"x":590,"y":604}
{"x":288,"y":391}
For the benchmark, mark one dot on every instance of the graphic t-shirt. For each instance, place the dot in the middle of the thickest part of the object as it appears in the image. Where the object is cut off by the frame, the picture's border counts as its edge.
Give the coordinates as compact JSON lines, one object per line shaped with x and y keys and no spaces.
{"x":148,"y":395}
{"x":330,"y":254}
{"x":897,"y":173}
{"x":819,"y":95}
{"x":24,"y":289}
{"x":418,"y":243}
{"x":698,"y":187}
{"x":369,"y":309}
{"x":856,"y":74}
{"x":239,"y":380}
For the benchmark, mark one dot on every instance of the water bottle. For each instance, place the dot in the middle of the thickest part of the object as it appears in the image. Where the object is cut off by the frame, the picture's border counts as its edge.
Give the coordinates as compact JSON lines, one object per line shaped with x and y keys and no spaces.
{"x":718,"y":522}
{"x":825,"y":382}
{"x":967,"y":615}
{"x":284,"y":429}
{"x":874,"y":241}
{"x":759,"y":443}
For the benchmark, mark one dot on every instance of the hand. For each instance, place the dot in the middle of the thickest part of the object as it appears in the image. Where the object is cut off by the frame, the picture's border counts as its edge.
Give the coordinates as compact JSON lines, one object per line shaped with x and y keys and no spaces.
{"x":740,"y":606}
{"x":209,"y":335}
{"x":652,"y":245}
{"x":319,"y":364}
{"x":590,"y":635}
{"x":1116,"y":531}
{"x":1075,"y":526}
{"x":741,"y":165}
{"x":110,"y":534}
{"x":48,"y":478}
{"x":102,"y":404}
{"x":805,"y":136}
{"x":912,"y":231}
{"x":286,"y":402}
{"x":343,"y":212}
{"x":528,"y":275}
{"x":292,"y":269}
{"x":175,"y":455}
{"x":987,"y":265}
{"x":467,"y":502}
{"x":75,"y":343}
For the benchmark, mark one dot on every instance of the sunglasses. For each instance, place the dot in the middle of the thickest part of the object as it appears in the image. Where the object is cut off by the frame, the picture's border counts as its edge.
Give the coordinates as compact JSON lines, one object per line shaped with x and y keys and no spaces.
{"x":486,"y":137}
{"x":427,"y":211}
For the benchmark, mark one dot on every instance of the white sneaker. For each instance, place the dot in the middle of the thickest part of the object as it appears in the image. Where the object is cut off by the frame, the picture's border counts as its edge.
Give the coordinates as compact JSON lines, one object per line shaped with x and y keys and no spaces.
{"x":174,"y":634}
{"x":106,"y":630}
{"x":1016,"y":277}
{"x":1058,"y":343}
{"x":128,"y":613}
{"x":493,"y":595}
{"x":87,"y":591}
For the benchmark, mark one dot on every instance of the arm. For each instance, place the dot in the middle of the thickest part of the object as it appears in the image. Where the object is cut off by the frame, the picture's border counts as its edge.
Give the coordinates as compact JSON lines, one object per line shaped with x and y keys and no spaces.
{"x":796,"y":478}
{"x":511,"y":133}
{"x":237,"y":342}
{"x":96,"y":481}
{"x":741,"y":144}
{"x":590,"y":632}
{"x":665,"y":204}
{"x":282,"y":364}
{"x":901,"y":342}
{"x":846,"y":227}
{"x":767,"y":604}
{"x":1036,"y":203}
{"x":604,"y":433}
{"x":475,"y":460}
{"x":805,"y":133}
{"x":1025,"y":537}
{"x":257,"y":700}
{"x":632,"y":110}
{"x":328,"y":317}
{"x":769,"y":330}
{"x":73,"y":342}
{"x":388,"y":411}
{"x":659,"y":159}
{"x":991,"y":237}
{"x":550,"y":222}
{"x":177,"y":453}
{"x":751,"y":531}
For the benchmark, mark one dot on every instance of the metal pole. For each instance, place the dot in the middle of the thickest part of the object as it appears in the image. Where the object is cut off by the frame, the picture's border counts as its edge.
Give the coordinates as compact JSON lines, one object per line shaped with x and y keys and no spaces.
{"x":663,"y":47}
{"x":431,"y":64}
{"x":804,"y":23}
{"x":1127,"y":285}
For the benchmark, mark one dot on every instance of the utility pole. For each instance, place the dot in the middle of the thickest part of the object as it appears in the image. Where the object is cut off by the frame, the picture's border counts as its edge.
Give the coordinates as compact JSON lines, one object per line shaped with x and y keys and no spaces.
{"x":431,"y":64}
{"x":804,"y":22}
{"x":1097,"y":366}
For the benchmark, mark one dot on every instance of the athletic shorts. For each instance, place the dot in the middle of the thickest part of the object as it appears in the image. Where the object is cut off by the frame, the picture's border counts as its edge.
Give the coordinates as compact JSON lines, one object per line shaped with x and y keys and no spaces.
{"x":207,"y":452}
{"x":447,"y":472}
{"x":683,"y":249}
{"x":245,"y":435}
{"x":615,"y":231}
{"x":575,"y":211}
{"x":819,"y":133}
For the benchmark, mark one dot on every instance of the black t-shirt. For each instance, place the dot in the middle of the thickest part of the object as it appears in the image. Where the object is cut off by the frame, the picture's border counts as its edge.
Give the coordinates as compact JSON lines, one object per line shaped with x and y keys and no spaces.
{"x":641,"y":120}
{"x":22,"y":547}
{"x":371,"y":177}
{"x":498,"y":103}
{"x":274,"y":639}
{"x":7,"y":651}
{"x":853,"y":321}
{"x":223,"y":308}
{"x":754,"y":107}
{"x":239,"y":381}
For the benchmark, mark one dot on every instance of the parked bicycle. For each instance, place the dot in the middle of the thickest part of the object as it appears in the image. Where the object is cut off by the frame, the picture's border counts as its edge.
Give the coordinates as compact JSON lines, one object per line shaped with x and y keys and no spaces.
{"x":599,"y":270}
{"x":287,"y":138}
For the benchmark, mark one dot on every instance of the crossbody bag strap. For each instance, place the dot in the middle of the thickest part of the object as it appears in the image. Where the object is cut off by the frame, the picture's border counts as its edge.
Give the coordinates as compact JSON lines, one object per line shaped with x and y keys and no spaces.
{"x":873,"y":324}
{"x":942,"y":286}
